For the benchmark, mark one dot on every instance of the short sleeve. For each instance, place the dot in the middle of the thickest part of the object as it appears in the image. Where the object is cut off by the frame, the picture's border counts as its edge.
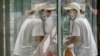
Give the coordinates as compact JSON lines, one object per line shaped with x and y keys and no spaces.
{"x":75,"y":30}
{"x":38,"y":29}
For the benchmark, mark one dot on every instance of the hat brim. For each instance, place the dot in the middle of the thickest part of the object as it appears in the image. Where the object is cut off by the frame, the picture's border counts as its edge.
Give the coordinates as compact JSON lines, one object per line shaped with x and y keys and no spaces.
{"x":39,"y":7}
{"x":50,"y":8}
{"x":67,"y":8}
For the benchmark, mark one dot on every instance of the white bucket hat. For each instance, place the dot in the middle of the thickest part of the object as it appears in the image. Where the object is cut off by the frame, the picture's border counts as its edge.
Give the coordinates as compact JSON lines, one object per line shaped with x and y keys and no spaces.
{"x":73,"y":5}
{"x":50,"y":7}
{"x":38,"y":7}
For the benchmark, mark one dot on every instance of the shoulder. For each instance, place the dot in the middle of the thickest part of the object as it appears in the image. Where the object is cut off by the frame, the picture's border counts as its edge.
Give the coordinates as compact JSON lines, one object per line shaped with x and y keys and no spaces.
{"x":79,"y":20}
{"x":32,"y":22}
{"x":35,"y":20}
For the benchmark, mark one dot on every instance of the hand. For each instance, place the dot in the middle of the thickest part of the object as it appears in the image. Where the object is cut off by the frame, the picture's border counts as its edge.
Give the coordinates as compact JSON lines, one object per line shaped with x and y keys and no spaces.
{"x":74,"y":40}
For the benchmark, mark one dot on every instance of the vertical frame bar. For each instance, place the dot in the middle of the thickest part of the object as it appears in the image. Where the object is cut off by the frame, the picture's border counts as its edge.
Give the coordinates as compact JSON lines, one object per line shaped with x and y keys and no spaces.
{"x":1,"y":29}
{"x":7,"y":26}
{"x":59,"y":39}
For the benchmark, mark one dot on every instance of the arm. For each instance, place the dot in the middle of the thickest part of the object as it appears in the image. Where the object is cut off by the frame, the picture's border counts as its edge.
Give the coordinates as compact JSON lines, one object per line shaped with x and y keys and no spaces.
{"x":37,"y":32}
{"x":73,"y":40}
{"x":39,"y":38}
{"x":75,"y":37}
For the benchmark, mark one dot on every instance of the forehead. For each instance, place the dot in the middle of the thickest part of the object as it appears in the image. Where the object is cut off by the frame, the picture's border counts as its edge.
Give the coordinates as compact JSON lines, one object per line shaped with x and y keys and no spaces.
{"x":47,"y":10}
{"x":71,"y":10}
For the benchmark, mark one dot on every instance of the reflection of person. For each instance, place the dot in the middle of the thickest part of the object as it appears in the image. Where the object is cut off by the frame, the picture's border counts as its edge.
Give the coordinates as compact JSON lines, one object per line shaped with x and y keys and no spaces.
{"x":50,"y":20}
{"x":82,"y":36}
{"x":30,"y":34}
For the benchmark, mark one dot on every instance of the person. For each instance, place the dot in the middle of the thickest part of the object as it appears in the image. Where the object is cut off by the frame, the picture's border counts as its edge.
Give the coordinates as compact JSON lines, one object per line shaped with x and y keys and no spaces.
{"x":50,"y":22}
{"x":81,"y":40}
{"x":31,"y":33}
{"x":50,"y":17}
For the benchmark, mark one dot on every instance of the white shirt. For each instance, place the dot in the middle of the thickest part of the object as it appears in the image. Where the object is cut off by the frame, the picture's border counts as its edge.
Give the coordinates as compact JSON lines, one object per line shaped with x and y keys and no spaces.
{"x":48,"y":43}
{"x":25,"y":43}
{"x":87,"y":47}
{"x":50,"y":22}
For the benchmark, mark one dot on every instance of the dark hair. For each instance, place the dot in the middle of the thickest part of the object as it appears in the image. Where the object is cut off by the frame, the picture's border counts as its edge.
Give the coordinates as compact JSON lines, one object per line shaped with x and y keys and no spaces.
{"x":72,"y":9}
{"x":31,"y":12}
{"x":82,"y":12}
{"x":49,"y":11}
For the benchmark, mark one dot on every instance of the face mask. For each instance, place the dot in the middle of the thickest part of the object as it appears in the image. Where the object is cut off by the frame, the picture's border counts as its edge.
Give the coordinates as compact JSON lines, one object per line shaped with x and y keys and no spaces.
{"x":73,"y":16}
{"x":44,"y":18}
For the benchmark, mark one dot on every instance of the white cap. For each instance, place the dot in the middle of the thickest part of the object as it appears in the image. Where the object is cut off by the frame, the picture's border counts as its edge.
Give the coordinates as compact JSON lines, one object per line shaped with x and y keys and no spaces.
{"x":38,"y":7}
{"x":50,"y":7}
{"x":73,"y":5}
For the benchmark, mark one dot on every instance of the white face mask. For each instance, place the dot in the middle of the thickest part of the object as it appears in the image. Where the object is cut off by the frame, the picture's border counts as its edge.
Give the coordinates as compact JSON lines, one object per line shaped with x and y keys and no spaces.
{"x":73,"y":16}
{"x":44,"y":18}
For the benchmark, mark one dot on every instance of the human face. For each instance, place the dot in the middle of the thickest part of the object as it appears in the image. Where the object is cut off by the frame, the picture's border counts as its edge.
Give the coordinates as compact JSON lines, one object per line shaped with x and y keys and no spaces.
{"x":46,"y":13}
{"x":72,"y":13}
